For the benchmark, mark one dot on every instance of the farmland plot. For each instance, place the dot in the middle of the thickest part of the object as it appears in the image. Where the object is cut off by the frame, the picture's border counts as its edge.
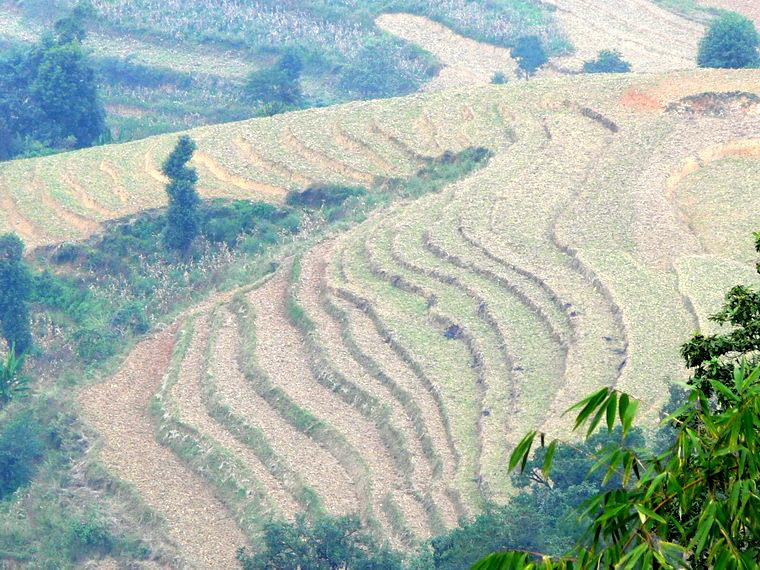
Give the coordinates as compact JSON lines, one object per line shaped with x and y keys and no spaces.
{"x":407,"y":354}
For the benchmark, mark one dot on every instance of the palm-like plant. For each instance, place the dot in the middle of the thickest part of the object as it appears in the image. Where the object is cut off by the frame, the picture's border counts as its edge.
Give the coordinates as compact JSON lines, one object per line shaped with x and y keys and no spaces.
{"x":13,"y":382}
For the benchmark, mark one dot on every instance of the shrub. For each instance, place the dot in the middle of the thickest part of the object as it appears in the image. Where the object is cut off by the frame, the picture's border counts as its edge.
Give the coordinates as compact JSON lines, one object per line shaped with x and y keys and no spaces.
{"x":13,"y":382}
{"x":131,"y":318}
{"x":319,"y":195}
{"x":328,"y":542}
{"x":608,"y":61}
{"x":375,"y":72}
{"x":15,"y":290}
{"x":94,"y":345}
{"x":22,"y":446}
{"x":731,"y":42}
{"x":499,"y":78}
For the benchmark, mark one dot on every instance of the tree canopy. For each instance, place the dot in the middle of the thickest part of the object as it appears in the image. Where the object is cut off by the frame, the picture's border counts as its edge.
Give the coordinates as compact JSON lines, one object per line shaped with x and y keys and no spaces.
{"x":182,"y":215}
{"x":607,"y":61}
{"x":15,"y":289}
{"x":530,"y":54}
{"x":731,"y":42}
{"x":279,"y":84}
{"x":325,"y":544}
{"x":48,"y":94}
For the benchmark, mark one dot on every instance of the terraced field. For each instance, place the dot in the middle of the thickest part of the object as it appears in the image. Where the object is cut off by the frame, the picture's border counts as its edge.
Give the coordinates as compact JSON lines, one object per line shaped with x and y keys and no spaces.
{"x":648,"y":36}
{"x":389,"y":369}
{"x":749,"y":8}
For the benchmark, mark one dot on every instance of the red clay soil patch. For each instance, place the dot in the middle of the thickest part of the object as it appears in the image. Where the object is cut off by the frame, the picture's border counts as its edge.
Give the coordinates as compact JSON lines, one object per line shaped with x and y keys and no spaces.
{"x":118,"y":408}
{"x":640,"y":101}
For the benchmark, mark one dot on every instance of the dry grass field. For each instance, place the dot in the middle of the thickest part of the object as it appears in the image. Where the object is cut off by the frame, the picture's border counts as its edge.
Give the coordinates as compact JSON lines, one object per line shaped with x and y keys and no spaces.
{"x":389,"y":369}
{"x":750,"y":8}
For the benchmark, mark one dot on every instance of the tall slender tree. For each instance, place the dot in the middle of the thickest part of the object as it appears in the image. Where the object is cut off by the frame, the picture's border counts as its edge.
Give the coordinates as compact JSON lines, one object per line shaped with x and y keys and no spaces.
{"x":182,"y":216}
{"x":15,"y":288}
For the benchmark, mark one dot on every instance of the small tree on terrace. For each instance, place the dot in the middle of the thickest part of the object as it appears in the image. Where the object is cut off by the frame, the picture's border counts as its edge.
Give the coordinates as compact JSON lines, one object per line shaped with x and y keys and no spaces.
{"x":182,"y":215}
{"x":608,"y":61}
{"x":15,"y":288}
{"x":731,"y":42}
{"x":530,"y":54}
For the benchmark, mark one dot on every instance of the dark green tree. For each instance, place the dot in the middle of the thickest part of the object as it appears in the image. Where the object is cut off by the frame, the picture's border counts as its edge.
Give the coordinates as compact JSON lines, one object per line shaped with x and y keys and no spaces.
{"x":530,"y":54}
{"x":731,"y":42}
{"x":279,"y":84}
{"x":48,"y":94}
{"x":607,"y":61}
{"x":326,"y":544}
{"x":64,"y":88}
{"x":182,"y":215}
{"x":15,"y":289}
{"x":541,"y":517}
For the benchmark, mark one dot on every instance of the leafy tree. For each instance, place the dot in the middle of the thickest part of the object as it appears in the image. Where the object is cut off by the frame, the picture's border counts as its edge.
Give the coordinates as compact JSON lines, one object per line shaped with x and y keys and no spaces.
{"x":182,"y":215}
{"x":279,"y":84}
{"x":64,"y":88}
{"x":326,"y":544}
{"x":607,"y":61}
{"x":530,"y":54}
{"x":22,"y":446}
{"x":714,"y":357}
{"x":48,"y":94}
{"x":695,"y":504}
{"x":15,"y":289}
{"x":731,"y":42}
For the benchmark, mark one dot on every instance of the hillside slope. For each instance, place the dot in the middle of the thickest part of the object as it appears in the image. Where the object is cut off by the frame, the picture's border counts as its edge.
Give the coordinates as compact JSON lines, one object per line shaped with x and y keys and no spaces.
{"x":406,"y":355}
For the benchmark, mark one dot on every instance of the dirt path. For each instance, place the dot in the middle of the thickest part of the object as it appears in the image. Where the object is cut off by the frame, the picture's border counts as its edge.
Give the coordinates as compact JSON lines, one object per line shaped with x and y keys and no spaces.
{"x":203,"y":529}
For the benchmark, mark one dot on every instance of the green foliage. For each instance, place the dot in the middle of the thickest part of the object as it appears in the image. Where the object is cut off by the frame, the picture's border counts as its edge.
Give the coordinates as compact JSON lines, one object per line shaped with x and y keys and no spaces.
{"x":694,"y":504}
{"x":715,"y":357}
{"x":278,"y":84}
{"x":607,"y":61}
{"x":731,"y":42}
{"x":530,"y":54}
{"x":48,"y":94}
{"x":499,"y":78}
{"x":15,"y":288}
{"x":22,"y":446}
{"x":541,"y":517}
{"x":319,"y":195}
{"x":13,"y":382}
{"x":372,"y":73}
{"x":441,"y":171}
{"x":181,"y":216}
{"x":327,"y":543}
